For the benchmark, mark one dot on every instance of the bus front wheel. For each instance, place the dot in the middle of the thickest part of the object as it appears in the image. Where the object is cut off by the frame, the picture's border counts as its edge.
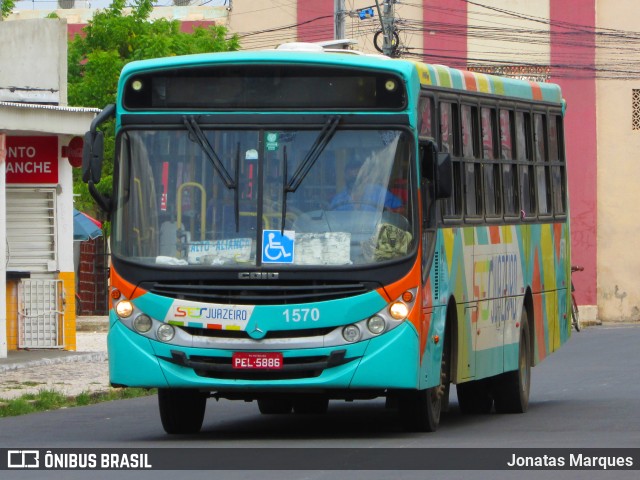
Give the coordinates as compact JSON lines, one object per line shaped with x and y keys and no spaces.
{"x":420,"y":410}
{"x":181,"y":410}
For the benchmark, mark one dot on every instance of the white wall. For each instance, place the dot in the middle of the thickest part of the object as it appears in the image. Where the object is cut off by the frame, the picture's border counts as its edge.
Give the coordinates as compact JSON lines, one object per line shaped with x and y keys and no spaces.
{"x":33,"y":58}
{"x":618,"y":169}
{"x":64,"y":213}
{"x":482,"y":45}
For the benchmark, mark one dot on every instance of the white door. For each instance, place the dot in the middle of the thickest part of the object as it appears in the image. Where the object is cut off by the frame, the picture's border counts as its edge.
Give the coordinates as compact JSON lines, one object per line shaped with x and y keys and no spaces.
{"x":31,"y":247}
{"x":40,"y":314}
{"x":31,"y":230}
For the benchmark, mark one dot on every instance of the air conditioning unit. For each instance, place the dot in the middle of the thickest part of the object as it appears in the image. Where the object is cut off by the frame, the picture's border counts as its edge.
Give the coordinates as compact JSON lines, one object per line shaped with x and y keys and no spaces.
{"x":66,"y":4}
{"x":183,"y":3}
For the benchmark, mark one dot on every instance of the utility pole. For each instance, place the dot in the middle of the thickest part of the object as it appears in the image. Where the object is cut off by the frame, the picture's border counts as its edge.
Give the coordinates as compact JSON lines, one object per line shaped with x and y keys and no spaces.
{"x":339,"y":22}
{"x":390,"y":37}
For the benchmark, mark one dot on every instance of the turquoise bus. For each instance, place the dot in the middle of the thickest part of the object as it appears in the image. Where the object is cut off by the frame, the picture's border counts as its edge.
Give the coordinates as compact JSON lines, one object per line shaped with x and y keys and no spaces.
{"x":298,"y":227}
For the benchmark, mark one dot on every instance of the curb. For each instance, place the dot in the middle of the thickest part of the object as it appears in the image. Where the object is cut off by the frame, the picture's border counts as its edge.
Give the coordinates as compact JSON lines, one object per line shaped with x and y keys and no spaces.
{"x":93,"y":357}
{"x":92,"y":324}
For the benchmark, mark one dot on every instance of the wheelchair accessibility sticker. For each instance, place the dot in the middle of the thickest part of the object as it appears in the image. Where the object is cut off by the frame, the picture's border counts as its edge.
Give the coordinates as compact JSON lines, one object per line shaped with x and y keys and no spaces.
{"x":278,"y":247}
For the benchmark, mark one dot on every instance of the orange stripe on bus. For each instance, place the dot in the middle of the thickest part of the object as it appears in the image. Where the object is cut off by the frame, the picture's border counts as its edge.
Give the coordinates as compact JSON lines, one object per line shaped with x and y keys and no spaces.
{"x":470,"y":81}
{"x":127,"y":289}
{"x":494,"y":234}
{"x":557,"y":238}
{"x":536,"y":91}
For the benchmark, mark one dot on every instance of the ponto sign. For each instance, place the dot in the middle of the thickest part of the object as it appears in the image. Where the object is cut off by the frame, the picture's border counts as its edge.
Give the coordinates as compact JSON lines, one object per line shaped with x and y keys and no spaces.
{"x":32,"y":160}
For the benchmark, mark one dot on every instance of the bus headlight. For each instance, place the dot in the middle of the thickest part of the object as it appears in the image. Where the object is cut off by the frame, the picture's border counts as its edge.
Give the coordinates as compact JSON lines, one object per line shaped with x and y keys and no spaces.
{"x":142,"y":323}
{"x":376,"y":324}
{"x":351,"y":333}
{"x":398,"y":310}
{"x":390,"y":316}
{"x":124,"y":309}
{"x":165,"y":332}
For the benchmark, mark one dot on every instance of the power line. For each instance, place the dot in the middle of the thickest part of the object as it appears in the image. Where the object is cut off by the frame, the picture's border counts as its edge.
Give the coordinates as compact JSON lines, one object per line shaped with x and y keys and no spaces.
{"x":617,"y":49}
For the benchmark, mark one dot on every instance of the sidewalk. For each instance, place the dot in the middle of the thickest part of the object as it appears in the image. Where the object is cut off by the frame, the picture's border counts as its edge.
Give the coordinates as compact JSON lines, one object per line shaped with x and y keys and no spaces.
{"x":85,"y":370}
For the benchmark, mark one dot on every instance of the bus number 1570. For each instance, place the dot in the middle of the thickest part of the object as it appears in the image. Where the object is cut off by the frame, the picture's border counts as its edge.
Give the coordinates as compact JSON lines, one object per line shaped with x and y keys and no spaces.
{"x":301,"y":315}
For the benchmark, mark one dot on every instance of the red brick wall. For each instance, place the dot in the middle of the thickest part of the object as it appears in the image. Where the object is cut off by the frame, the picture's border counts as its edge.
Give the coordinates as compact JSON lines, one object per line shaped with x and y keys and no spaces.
{"x":92,"y":278}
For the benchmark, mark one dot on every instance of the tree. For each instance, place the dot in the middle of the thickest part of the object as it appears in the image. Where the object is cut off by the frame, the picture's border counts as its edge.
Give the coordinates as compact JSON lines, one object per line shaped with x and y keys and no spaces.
{"x":114,"y":38}
{"x":6,"y":7}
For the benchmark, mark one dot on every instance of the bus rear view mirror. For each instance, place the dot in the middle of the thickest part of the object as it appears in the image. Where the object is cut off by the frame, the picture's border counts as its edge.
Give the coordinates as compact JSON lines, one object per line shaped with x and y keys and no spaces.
{"x":93,"y":150}
{"x":92,"y":156}
{"x":437,"y":168}
{"x":444,"y":176}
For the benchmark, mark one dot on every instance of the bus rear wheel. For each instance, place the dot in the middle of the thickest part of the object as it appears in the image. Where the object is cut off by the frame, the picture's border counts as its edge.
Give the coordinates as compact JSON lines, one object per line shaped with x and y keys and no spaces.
{"x":511,"y":389}
{"x":181,"y":410}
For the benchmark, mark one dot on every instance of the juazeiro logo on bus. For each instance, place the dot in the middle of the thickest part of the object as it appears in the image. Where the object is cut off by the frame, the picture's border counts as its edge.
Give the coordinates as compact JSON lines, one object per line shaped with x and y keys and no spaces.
{"x":217,"y":313}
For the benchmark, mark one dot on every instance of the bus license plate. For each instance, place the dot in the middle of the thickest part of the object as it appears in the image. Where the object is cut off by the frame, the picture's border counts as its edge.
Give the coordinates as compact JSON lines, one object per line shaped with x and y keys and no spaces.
{"x":257,"y":360}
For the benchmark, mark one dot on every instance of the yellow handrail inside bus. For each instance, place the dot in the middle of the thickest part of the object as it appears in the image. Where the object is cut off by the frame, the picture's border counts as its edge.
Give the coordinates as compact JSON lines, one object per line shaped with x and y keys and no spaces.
{"x":141,"y":216}
{"x":265,"y":218}
{"x":203,"y":207}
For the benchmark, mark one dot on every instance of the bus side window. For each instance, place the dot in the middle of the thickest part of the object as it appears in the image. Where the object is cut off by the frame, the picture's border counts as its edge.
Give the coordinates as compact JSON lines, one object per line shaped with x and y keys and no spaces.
{"x":472,"y":171}
{"x":425,"y":120}
{"x":543,"y":181}
{"x":558,"y":168}
{"x":509,"y":171}
{"x":447,"y":127}
{"x":452,"y":206}
{"x":490,"y":168}
{"x":525,"y":164}
{"x":469,"y":131}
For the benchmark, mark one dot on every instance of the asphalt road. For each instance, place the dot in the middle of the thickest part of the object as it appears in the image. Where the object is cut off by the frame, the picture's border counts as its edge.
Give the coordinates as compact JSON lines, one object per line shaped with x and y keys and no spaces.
{"x":586,"y":395}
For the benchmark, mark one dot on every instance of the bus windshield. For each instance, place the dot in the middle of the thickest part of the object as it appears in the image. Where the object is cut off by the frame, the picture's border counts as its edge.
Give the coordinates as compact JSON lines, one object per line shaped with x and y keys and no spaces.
{"x":217,"y":198}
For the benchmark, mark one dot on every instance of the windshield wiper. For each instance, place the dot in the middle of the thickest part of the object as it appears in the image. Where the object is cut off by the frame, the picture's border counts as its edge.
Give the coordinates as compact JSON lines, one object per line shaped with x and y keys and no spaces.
{"x":236,"y":194}
{"x":285,"y":173}
{"x":318,"y":146}
{"x":197,"y":136}
{"x":325,"y":136}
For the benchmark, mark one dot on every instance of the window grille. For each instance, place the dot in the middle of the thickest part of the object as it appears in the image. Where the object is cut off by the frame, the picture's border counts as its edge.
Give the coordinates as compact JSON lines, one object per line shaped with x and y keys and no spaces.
{"x":635,"y":104}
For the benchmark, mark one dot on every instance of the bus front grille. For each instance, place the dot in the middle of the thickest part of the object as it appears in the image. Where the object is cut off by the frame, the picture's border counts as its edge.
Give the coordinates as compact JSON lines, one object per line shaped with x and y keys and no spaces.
{"x":273,"y":334}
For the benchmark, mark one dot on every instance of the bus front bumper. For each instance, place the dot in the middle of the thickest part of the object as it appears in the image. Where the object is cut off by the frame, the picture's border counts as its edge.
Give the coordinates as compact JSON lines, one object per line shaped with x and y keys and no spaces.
{"x":389,"y":361}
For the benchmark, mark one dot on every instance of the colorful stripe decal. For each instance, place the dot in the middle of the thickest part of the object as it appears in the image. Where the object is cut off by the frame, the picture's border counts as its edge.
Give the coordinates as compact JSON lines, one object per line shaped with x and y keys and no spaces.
{"x":536,"y":91}
{"x":440,"y":75}
{"x":470,"y":81}
{"x":444,"y":77}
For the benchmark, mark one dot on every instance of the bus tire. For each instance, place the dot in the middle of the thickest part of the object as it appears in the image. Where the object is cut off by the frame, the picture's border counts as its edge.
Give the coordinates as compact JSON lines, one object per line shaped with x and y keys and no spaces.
{"x":181,"y":410}
{"x":420,"y":410}
{"x":274,"y":406}
{"x":511,"y":389}
{"x":474,"y":397}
